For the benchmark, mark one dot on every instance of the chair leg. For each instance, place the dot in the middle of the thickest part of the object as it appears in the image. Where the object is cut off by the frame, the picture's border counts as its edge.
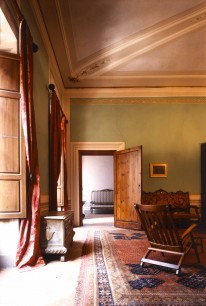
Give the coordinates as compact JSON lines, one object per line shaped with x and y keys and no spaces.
{"x":195,"y":249}
{"x":180,"y":264}
{"x":145,"y":256}
{"x":178,"y":272}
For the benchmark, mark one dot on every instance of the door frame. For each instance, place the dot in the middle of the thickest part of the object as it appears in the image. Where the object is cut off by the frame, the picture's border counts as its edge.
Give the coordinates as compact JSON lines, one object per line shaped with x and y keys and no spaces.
{"x":89,"y":153}
{"x":76,"y":148}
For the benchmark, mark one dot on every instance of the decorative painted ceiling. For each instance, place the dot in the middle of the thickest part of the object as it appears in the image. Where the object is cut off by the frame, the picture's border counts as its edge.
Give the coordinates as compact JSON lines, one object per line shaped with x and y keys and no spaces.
{"x":125,"y":43}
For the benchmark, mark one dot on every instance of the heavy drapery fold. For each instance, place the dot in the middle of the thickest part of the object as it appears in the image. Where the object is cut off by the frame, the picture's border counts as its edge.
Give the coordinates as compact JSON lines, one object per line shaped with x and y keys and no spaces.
{"x":28,"y":250}
{"x":57,"y":143}
{"x":64,"y":135}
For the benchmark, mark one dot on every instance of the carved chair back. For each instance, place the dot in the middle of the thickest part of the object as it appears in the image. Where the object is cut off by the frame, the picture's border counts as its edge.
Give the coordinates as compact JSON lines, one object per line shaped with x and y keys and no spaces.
{"x":157,"y":222}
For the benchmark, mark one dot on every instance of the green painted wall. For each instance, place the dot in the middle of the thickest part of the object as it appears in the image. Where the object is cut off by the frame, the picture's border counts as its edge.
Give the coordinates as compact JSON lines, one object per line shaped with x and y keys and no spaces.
{"x":170,"y":133}
{"x":40,"y":94}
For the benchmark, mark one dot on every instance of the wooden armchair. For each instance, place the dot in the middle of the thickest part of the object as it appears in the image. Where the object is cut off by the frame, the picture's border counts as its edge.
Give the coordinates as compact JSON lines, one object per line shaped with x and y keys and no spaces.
{"x":159,"y":226}
{"x":179,"y":202}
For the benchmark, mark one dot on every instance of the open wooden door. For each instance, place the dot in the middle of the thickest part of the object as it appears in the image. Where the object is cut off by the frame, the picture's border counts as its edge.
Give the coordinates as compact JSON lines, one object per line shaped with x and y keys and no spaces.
{"x":127,"y":187}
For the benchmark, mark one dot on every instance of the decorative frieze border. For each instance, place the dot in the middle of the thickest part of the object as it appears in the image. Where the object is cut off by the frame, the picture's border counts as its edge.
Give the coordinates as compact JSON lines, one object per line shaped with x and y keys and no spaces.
{"x":139,"y":100}
{"x":138,"y":92}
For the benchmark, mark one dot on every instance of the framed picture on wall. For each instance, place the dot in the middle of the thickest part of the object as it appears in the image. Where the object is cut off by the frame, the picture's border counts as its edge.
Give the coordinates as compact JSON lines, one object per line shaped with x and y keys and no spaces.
{"x":158,"y":170}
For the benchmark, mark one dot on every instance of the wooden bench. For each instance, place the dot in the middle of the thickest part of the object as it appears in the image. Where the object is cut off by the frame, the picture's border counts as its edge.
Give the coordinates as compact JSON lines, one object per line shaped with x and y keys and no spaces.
{"x":102,"y":200}
{"x":179,"y":202}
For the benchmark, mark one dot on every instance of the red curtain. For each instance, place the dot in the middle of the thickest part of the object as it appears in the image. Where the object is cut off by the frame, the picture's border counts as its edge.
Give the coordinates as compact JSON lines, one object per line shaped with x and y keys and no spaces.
{"x":54,"y":149}
{"x":63,"y":127}
{"x":57,"y":141}
{"x":28,"y":250}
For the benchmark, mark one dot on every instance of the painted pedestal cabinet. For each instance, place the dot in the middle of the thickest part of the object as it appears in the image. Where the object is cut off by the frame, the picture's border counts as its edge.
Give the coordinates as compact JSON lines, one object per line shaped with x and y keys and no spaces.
{"x":57,"y":233}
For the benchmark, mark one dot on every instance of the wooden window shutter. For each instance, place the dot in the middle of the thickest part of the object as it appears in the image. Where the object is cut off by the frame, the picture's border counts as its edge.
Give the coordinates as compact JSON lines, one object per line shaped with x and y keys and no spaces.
{"x":12,"y":147}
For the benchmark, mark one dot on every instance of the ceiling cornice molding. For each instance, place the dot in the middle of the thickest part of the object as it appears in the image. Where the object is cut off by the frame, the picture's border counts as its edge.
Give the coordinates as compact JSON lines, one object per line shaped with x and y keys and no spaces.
{"x":153,"y":80}
{"x":135,"y":92}
{"x":157,"y":36}
{"x":168,"y":75}
{"x":44,"y":35}
{"x":60,"y":17}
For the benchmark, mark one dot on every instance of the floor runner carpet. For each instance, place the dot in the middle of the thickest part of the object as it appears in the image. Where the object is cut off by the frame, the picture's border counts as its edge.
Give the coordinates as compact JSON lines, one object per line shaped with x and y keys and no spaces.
{"x":110,"y":274}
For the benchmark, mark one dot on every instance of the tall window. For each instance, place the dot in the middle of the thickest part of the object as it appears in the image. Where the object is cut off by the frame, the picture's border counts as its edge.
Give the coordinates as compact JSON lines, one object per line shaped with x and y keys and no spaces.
{"x":8,"y":41}
{"x":12,"y":148}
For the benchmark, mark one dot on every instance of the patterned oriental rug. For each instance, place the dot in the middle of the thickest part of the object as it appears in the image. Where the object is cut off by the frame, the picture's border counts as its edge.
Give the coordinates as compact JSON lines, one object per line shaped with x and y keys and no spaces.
{"x":110,"y":274}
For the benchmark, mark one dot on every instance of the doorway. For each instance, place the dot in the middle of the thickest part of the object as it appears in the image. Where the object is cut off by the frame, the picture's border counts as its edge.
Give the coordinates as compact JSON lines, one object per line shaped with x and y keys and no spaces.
{"x":76,"y":191}
{"x":96,"y":173}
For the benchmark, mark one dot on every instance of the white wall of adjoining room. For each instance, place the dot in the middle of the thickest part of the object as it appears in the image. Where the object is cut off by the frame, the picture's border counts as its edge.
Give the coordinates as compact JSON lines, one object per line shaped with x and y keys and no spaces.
{"x":97,"y":173}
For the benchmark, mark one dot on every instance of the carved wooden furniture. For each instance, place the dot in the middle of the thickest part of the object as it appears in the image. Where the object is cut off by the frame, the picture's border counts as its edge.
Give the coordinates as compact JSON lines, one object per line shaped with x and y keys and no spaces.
{"x":102,"y":200}
{"x":57,"y":233}
{"x":179,"y":202}
{"x":159,"y":226}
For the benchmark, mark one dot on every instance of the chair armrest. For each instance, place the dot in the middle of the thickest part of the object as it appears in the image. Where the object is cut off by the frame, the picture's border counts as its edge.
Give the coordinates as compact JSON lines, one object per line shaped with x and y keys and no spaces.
{"x":196,"y":210}
{"x":188,"y":231}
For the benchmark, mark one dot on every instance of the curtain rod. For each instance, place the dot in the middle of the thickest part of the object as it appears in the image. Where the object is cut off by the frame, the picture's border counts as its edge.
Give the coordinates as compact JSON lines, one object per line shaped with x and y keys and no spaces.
{"x":20,"y":17}
{"x":51,"y":87}
{"x":17,"y":9}
{"x":35,"y":48}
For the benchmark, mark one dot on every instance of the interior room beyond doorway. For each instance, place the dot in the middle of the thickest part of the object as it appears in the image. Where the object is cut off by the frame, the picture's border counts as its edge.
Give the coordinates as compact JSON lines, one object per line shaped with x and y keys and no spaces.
{"x":97,"y":174}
